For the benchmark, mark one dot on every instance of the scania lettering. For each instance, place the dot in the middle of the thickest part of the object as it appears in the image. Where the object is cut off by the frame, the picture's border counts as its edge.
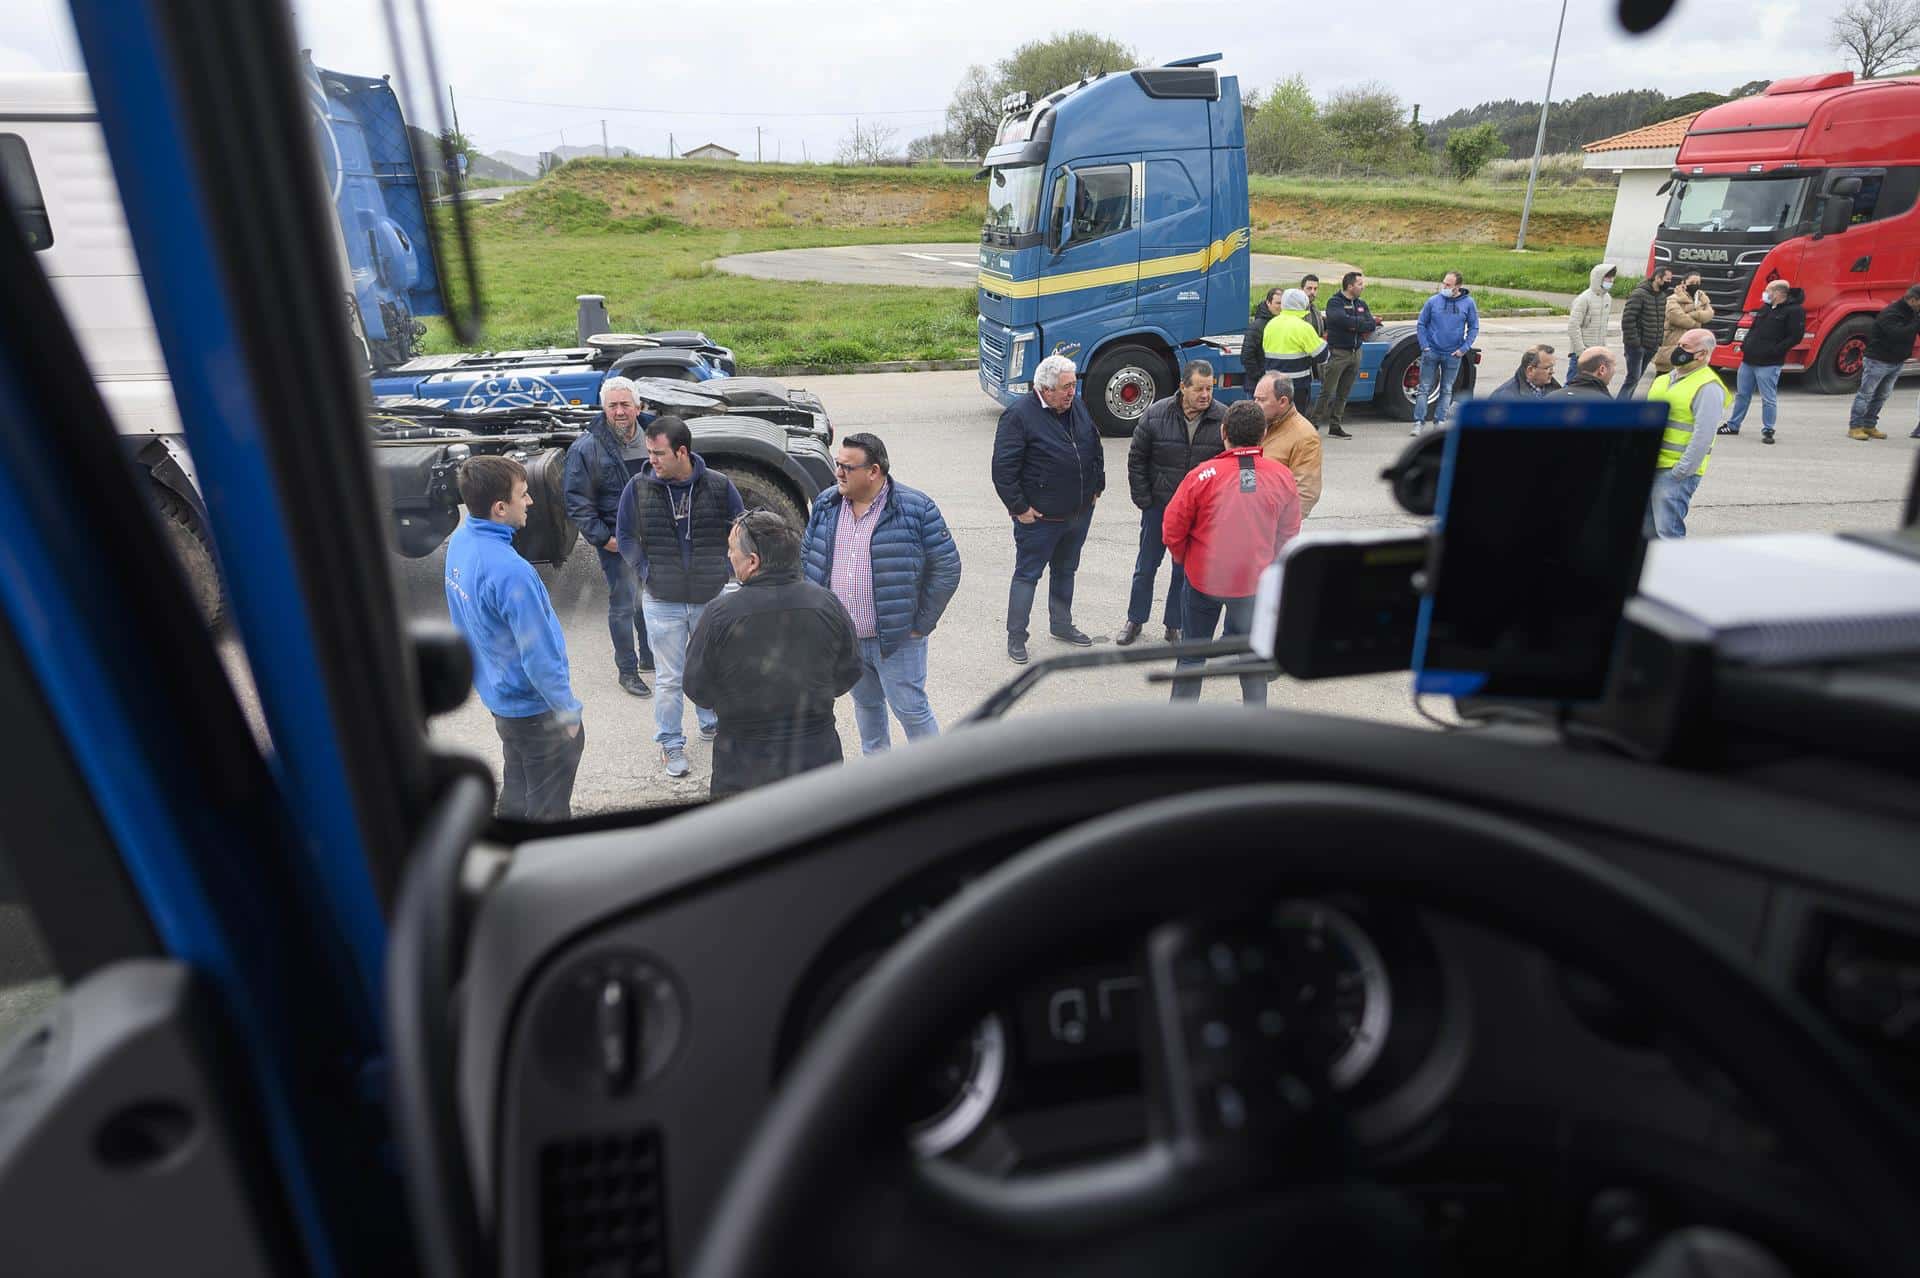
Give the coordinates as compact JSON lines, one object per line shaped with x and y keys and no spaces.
{"x":1118,"y":233}
{"x":1812,"y":181}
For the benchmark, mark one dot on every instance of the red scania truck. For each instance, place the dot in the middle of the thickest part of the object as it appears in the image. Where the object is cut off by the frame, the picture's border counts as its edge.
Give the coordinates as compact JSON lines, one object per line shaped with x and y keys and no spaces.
{"x":1813,"y":181}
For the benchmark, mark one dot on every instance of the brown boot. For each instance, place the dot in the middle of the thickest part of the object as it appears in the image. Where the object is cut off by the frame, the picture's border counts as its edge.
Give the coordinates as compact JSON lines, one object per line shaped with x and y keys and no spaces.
{"x":1872,"y":433}
{"x":1858,"y":432}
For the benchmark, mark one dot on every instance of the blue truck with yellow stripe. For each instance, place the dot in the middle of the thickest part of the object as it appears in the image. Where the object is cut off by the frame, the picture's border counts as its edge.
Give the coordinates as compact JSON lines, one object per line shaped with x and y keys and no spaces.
{"x":1117,"y":233}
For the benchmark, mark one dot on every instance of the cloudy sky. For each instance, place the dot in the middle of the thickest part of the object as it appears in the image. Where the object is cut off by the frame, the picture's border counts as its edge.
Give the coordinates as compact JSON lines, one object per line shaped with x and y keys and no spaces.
{"x":528,"y":76}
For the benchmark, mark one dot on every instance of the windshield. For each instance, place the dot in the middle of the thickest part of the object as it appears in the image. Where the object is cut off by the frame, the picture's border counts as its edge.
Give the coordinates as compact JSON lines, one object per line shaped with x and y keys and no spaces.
{"x":1744,"y":205}
{"x":1013,"y":200}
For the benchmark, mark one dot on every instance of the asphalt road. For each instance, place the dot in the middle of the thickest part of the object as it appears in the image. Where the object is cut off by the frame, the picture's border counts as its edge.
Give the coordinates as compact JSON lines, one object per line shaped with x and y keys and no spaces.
{"x":956,"y":265}
{"x":939,"y":427}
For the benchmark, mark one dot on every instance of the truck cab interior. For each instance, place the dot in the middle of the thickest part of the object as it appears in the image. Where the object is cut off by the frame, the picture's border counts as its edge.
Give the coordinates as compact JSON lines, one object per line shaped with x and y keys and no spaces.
{"x":1131,"y":989}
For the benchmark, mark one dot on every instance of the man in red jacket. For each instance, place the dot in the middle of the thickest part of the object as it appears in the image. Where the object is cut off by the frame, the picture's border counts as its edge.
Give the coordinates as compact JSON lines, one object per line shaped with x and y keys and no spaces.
{"x":1227,"y":521}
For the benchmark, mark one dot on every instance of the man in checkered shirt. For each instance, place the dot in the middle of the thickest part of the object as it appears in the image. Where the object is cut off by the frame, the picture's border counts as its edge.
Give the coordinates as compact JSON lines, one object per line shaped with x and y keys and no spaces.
{"x":884,"y":551}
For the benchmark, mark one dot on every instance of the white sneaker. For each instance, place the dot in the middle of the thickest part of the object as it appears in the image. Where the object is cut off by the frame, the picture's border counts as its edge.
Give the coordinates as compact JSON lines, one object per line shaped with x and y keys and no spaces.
{"x":1418,"y":427}
{"x":676,"y":761}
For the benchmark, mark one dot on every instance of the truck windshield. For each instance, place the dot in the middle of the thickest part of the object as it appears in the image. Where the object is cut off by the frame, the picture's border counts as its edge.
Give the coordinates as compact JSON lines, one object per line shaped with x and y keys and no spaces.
{"x":1747,"y":205}
{"x":1013,"y":201}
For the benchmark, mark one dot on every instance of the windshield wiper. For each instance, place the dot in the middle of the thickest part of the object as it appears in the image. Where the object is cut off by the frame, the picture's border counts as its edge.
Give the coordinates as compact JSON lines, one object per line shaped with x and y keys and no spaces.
{"x":1003,"y":698}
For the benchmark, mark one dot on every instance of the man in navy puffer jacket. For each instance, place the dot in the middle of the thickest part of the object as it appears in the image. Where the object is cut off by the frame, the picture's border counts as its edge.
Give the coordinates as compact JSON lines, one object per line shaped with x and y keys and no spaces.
{"x":884,"y":551}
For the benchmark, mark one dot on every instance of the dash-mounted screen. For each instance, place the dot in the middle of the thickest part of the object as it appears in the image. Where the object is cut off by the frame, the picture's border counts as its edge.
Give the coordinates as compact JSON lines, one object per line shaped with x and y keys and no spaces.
{"x":1538,"y":546}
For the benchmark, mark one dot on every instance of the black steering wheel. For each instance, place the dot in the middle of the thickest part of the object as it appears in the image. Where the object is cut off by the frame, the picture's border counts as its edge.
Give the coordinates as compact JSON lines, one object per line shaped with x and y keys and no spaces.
{"x":1182,"y":856}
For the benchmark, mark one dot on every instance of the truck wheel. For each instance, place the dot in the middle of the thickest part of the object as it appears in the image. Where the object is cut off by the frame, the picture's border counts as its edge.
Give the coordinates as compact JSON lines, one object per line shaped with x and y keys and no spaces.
{"x":761,"y":491}
{"x":1836,"y":369}
{"x":549,"y":535}
{"x":1120,"y":385}
{"x":1400,"y":383}
{"x":193,"y":552}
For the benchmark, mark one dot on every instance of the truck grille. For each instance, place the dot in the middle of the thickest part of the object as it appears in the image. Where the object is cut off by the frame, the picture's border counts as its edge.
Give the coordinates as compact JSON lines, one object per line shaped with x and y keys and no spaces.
{"x":1726,"y":283}
{"x":993,"y":355}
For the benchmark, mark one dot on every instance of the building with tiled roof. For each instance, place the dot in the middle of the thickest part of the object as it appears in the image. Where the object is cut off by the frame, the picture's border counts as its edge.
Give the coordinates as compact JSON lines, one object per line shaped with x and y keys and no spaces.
{"x":1643,"y":159}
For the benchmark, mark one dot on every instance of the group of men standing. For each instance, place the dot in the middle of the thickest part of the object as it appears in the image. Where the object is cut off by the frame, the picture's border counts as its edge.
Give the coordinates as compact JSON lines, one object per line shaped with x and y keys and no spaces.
{"x":762,"y":624}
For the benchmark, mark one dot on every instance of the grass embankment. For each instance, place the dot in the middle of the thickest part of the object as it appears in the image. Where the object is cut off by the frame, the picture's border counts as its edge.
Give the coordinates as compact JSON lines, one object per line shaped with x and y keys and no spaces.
{"x":645,"y":233}
{"x":1560,"y":270}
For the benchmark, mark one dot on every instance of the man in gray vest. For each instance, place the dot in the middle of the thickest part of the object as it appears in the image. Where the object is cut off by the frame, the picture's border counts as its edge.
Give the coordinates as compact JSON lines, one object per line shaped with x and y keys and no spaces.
{"x":672,"y":527}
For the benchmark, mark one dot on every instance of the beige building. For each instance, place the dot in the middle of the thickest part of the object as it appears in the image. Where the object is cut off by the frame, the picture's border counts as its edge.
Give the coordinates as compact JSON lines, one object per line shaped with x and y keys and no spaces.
{"x":1643,"y":158}
{"x":709,"y":151}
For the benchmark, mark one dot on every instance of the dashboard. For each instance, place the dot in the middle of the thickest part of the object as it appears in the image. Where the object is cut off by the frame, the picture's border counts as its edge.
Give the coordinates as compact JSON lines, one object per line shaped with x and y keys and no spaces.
{"x":635,"y":997}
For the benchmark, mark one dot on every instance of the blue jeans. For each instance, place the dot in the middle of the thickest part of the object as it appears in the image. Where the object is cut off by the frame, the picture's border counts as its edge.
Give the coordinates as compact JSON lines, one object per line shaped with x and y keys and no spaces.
{"x":671,"y":625}
{"x":899,"y":681}
{"x":1876,"y":383}
{"x":1433,"y":364}
{"x":1638,"y":357}
{"x":1052,"y":546}
{"x":624,"y":621}
{"x":1667,"y":504}
{"x":1744,"y":383}
{"x":1203,"y":612}
{"x":1146,"y":566}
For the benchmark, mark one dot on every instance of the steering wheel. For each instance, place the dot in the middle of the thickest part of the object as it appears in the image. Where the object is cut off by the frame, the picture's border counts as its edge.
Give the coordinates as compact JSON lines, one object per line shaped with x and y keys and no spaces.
{"x":1181,"y":856}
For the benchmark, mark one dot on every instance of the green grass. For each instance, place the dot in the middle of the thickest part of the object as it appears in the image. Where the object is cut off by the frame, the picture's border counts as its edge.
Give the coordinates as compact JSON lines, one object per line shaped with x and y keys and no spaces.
{"x":1388,"y":302}
{"x":656,"y":275}
{"x":1484,"y":265}
{"x":1414,"y":193}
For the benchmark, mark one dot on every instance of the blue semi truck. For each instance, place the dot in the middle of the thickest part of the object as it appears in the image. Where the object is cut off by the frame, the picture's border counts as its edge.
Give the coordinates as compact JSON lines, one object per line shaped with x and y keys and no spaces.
{"x":1117,"y":233}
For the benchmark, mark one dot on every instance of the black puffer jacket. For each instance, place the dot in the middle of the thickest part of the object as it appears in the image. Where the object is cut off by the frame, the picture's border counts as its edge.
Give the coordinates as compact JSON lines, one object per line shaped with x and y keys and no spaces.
{"x":1164,"y":450}
{"x":1893,"y":332}
{"x":1776,"y":330}
{"x":1643,"y":321}
{"x":1253,"y":355}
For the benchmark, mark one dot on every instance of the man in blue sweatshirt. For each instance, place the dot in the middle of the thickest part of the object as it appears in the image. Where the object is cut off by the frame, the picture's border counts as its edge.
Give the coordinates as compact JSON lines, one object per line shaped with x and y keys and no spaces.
{"x":1449,"y":325}
{"x":498,"y":602}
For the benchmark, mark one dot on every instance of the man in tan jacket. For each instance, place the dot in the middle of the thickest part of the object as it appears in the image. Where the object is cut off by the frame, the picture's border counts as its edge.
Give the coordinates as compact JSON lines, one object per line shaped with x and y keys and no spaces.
{"x":1290,"y":438}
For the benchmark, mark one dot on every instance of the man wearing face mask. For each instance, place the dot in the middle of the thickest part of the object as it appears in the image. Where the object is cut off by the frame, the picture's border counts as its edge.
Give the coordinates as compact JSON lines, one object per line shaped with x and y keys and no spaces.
{"x":1588,"y":316}
{"x":1695,"y":398}
{"x":1642,"y":324}
{"x":1449,"y":325}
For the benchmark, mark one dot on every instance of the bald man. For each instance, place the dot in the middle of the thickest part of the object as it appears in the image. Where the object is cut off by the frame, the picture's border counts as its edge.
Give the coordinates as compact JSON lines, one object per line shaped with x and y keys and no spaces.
{"x":1592,"y":375}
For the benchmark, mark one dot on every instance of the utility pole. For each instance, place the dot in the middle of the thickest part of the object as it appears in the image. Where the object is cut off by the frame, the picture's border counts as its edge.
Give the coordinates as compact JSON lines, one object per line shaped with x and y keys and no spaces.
{"x":756,"y":144}
{"x":605,"y":154}
{"x":456,"y":110}
{"x":671,"y":153}
{"x":1540,"y":138}
{"x":803,"y":152}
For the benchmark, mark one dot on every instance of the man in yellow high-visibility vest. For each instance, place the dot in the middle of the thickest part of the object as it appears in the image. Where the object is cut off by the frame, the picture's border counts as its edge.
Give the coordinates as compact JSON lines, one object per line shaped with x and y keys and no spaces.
{"x":1696,"y":399}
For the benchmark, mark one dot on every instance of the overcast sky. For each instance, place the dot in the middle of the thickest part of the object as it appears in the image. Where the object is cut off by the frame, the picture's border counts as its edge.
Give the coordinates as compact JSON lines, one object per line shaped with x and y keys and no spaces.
{"x":803,"y":71}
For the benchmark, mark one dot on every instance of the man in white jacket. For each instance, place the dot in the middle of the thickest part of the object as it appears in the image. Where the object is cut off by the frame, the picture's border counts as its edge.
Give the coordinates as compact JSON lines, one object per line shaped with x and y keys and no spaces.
{"x":1587,"y":320}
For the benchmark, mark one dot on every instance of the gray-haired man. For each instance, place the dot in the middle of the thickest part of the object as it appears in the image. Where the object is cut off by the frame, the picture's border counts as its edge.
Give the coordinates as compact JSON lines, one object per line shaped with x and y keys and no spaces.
{"x":1048,"y":469}
{"x":599,"y":464}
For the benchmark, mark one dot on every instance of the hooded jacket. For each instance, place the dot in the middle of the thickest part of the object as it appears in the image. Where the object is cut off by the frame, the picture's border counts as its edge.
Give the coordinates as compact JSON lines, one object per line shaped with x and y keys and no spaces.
{"x":1448,"y":324}
{"x":916,"y":566}
{"x":1293,"y":345}
{"x":1165,"y":446}
{"x":1642,"y":319}
{"x":1891,"y":341}
{"x":1253,"y":351}
{"x":1685,"y":311}
{"x":1776,"y":331}
{"x":1587,"y":318}
{"x":680,"y":560}
{"x":1586,"y":386}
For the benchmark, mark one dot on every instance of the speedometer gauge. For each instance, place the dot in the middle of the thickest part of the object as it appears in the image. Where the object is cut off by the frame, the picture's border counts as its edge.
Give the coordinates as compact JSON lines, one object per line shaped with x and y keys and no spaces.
{"x":1329,"y":997}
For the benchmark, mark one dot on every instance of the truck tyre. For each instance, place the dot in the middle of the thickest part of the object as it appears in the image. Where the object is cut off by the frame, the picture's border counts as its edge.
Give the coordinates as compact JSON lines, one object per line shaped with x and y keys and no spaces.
{"x":1836,"y":369}
{"x":762,"y":491}
{"x":1121,"y":383}
{"x":1400,"y":383}
{"x":549,"y":535}
{"x":193,"y":552}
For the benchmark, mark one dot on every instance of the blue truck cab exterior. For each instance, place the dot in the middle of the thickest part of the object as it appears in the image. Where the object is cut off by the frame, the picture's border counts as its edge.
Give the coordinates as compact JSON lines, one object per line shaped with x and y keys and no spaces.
{"x":1117,"y":234}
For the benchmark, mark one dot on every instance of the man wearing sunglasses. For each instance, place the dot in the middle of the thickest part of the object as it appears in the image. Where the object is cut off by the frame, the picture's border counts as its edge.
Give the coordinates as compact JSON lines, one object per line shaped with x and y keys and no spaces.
{"x":771,"y":658}
{"x":885,"y":552}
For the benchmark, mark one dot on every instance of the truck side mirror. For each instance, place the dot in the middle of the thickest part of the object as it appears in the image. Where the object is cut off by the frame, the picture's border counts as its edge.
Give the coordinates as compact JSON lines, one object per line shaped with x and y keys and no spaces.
{"x":1063,"y":213}
{"x":1836,"y":213}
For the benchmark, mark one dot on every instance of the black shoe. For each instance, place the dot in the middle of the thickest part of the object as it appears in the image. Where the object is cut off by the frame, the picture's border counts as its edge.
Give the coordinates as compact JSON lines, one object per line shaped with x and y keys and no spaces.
{"x":1334,"y":432}
{"x":632,"y":682}
{"x":1017,"y":651}
{"x":646,"y":663}
{"x":1073,"y":635}
{"x":1173,"y":634}
{"x":1129,"y":631}
{"x":1728,"y":430}
{"x":1766,"y":437}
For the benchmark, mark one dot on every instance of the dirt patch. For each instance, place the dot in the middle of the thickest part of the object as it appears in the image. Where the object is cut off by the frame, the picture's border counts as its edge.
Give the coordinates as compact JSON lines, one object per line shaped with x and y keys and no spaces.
{"x":1415,"y":223}
{"x":717,"y":201}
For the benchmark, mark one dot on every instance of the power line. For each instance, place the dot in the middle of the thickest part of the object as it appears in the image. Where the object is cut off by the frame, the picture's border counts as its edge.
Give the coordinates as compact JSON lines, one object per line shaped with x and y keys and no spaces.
{"x":743,"y":115}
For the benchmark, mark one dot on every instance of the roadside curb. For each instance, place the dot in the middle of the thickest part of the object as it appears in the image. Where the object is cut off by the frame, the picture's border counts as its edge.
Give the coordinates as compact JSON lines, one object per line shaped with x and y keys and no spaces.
{"x":884,"y":366}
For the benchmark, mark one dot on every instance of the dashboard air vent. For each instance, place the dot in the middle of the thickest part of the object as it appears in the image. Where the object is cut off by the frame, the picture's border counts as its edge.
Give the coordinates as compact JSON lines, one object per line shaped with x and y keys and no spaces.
{"x":603,"y":1206}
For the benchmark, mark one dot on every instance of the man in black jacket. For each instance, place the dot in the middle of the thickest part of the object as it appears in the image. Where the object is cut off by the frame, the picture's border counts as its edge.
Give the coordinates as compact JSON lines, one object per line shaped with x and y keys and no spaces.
{"x":771,"y":658}
{"x":1592,"y":371}
{"x":1253,"y":354}
{"x":1777,"y":329}
{"x":1643,"y":325}
{"x":1348,"y":325}
{"x":672,"y":527}
{"x":1175,"y":434}
{"x":1048,"y":470}
{"x":1888,"y":347}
